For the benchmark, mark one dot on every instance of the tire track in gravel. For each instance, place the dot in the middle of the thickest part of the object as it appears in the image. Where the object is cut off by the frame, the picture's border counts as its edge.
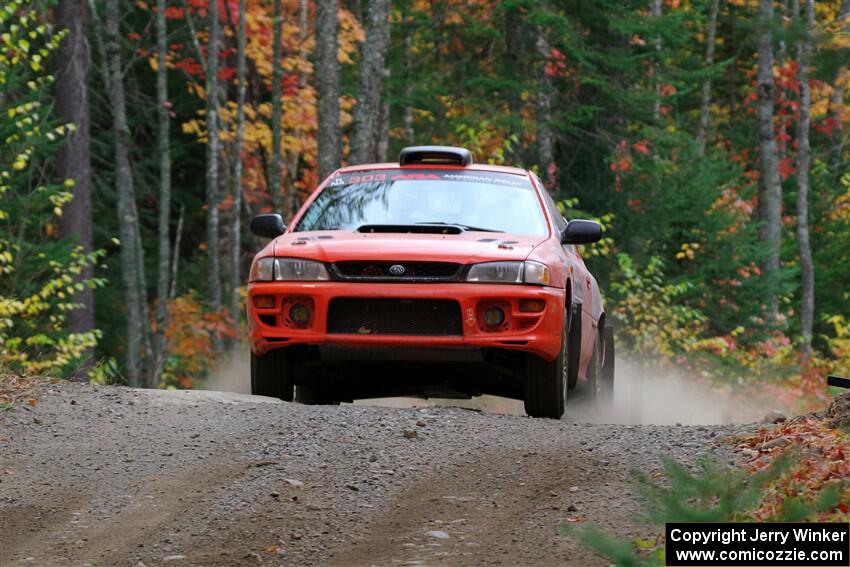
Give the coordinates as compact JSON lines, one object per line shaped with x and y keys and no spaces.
{"x":502,"y":508}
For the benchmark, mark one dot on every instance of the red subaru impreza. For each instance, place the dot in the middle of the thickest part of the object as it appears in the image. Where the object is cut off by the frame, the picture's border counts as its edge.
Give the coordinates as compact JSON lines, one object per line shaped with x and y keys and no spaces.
{"x":433,"y":276}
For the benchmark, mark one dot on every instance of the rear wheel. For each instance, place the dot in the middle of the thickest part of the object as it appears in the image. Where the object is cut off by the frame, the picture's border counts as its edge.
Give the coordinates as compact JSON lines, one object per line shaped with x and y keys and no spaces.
{"x":271,"y":375}
{"x":573,"y":346}
{"x":606,"y":374}
{"x":546,"y":383}
{"x":594,"y":371}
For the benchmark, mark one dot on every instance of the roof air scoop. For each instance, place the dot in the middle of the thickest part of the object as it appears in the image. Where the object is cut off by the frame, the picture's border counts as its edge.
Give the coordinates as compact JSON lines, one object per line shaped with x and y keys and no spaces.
{"x":435,"y":155}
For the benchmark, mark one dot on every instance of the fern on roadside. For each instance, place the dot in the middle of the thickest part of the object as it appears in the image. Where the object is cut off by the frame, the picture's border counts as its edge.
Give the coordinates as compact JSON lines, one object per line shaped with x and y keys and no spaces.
{"x":713,"y":494}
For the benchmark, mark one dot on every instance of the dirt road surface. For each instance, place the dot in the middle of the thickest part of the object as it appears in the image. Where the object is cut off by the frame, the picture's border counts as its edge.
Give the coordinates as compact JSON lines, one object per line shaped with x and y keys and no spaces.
{"x":119,"y":477}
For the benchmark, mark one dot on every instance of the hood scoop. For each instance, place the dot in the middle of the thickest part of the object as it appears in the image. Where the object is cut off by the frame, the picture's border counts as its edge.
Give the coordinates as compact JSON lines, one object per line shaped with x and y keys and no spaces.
{"x":410,"y":229}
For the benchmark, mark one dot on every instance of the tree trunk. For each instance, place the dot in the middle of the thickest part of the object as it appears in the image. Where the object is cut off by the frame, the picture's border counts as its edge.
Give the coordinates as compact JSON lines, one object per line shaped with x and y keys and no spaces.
{"x":807,"y":307}
{"x":163,"y":148}
{"x":545,"y":155}
{"x":327,"y":87}
{"x":128,"y":221}
{"x":236,"y":244}
{"x":656,"y":109}
{"x":367,"y":114}
{"x":293,"y":156}
{"x":837,"y":102}
{"x":73,"y":160}
{"x":213,"y":264}
{"x":175,"y":258}
{"x":409,"y":133}
{"x":382,"y":142}
{"x":705,"y":106}
{"x":770,"y":186}
{"x":274,"y":169}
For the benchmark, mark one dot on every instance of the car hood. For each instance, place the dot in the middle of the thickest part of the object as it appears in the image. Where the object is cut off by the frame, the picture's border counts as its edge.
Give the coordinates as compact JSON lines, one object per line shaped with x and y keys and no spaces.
{"x":467,"y":247}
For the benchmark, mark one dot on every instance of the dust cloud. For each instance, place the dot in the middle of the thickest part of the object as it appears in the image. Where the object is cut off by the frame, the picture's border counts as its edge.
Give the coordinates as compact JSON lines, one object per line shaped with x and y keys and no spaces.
{"x":643,"y":394}
{"x":647,"y":394}
{"x":233,"y":374}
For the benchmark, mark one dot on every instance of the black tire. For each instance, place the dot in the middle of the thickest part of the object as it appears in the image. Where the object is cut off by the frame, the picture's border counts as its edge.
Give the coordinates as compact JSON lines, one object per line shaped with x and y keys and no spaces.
{"x":311,"y":394}
{"x":546,"y":383}
{"x":271,"y":375}
{"x":606,"y":374}
{"x":573,"y":346}
{"x":594,"y":371}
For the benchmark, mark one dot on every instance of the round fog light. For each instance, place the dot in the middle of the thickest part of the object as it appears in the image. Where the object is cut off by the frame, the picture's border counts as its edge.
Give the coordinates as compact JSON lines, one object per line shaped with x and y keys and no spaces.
{"x":494,"y":316}
{"x":299,"y":313}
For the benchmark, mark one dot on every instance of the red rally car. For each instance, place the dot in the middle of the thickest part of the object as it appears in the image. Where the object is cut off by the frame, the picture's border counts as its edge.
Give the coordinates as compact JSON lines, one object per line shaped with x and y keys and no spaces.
{"x":434,"y":276}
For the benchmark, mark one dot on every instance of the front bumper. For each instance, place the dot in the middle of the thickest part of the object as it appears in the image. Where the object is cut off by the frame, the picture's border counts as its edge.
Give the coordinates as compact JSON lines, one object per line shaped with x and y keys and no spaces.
{"x":537,"y":333}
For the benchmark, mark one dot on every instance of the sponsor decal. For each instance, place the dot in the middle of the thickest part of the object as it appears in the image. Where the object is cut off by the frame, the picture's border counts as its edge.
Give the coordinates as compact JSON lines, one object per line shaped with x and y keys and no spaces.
{"x":492,"y":179}
{"x":501,"y":179}
{"x":470,"y":316}
{"x":417,"y":176}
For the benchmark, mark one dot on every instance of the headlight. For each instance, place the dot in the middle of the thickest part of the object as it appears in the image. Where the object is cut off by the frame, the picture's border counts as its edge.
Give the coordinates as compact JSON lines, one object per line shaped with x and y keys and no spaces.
{"x":292,"y":269}
{"x":262,"y":270}
{"x":510,"y":272}
{"x":287,"y":269}
{"x":536,"y":273}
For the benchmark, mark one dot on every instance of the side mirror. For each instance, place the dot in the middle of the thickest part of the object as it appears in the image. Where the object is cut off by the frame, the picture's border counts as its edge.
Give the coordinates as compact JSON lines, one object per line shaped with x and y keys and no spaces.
{"x":581,"y":232}
{"x":268,"y":226}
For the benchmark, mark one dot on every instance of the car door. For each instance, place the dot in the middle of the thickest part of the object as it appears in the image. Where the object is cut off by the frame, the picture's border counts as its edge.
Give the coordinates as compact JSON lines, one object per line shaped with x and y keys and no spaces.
{"x":585,"y":290}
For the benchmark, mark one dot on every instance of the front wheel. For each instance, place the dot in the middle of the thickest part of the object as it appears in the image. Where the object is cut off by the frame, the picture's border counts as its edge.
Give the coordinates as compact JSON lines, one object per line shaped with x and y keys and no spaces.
{"x":546,"y":383}
{"x":271,"y":375}
{"x":313,"y":394}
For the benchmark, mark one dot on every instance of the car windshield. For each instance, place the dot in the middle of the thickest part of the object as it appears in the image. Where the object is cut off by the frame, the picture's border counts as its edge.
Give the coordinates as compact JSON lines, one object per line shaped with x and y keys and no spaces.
{"x":480,"y":200}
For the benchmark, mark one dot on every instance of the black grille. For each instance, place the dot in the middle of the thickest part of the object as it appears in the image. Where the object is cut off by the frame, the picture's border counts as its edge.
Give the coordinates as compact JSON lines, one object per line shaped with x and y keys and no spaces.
{"x":410,"y":272}
{"x":419,"y":317}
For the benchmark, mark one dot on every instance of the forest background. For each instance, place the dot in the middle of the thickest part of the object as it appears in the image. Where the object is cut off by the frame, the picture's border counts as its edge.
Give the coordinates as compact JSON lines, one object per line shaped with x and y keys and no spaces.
{"x":709,"y":137}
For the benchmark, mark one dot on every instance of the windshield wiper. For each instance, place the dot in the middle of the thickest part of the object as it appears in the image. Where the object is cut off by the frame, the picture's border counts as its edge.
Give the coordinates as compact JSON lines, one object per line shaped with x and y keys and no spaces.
{"x":463,"y":226}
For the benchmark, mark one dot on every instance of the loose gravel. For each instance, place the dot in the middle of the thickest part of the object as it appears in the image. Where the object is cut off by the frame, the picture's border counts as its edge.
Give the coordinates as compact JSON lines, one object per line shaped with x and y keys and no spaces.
{"x":115,"y":476}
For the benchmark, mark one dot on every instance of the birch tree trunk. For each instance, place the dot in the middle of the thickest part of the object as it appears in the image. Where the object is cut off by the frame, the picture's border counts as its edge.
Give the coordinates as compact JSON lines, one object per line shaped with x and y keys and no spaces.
{"x":128,"y":221}
{"x":544,"y":111}
{"x":328,"y":137}
{"x":409,"y":132}
{"x":164,"y":151}
{"x":368,"y":110}
{"x":705,"y":105}
{"x":274,"y":168}
{"x":770,"y":186}
{"x":175,"y":258}
{"x":73,"y":160}
{"x":236,"y":249}
{"x":807,"y":306}
{"x":213,"y":264}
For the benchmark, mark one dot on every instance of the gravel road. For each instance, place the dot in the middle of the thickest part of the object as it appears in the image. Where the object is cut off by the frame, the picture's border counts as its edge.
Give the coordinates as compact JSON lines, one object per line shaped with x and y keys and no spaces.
{"x":114,"y":476}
